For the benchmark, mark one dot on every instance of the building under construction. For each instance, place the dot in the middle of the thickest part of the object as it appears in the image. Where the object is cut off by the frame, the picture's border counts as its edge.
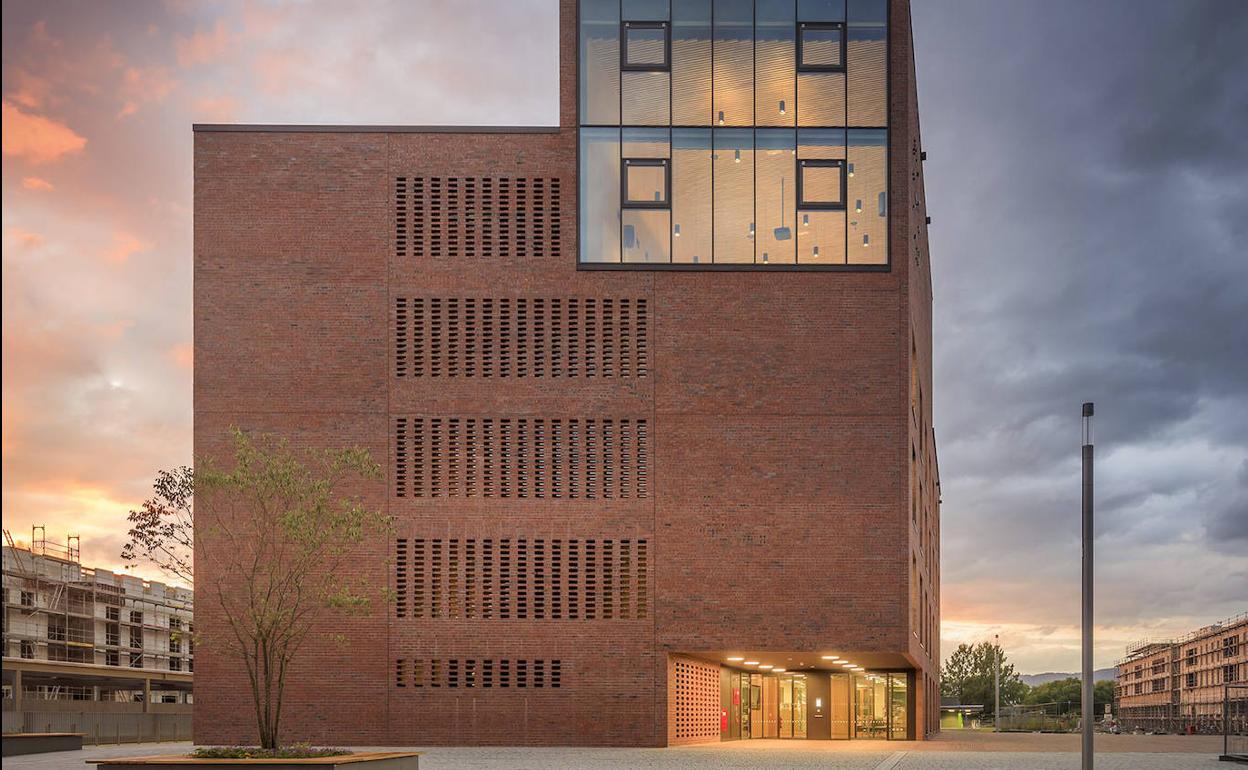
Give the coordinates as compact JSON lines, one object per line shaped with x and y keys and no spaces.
{"x":1181,"y":685}
{"x":89,"y":650}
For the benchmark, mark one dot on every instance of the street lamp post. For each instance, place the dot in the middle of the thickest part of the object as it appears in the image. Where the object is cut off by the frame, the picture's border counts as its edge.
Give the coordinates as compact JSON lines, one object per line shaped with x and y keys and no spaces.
{"x":1088,"y":702}
{"x":996,"y":683}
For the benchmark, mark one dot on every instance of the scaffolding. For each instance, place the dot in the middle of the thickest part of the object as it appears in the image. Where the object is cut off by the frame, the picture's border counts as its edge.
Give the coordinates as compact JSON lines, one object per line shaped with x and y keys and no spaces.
{"x":57,"y":610}
{"x":1179,"y":685}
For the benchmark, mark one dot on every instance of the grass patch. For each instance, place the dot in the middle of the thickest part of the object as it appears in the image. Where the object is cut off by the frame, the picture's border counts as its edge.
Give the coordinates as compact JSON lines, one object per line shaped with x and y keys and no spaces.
{"x":255,"y":752}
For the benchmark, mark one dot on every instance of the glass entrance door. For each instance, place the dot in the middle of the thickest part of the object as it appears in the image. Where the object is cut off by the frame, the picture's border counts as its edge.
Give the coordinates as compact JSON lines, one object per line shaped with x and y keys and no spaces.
{"x":881,"y":706}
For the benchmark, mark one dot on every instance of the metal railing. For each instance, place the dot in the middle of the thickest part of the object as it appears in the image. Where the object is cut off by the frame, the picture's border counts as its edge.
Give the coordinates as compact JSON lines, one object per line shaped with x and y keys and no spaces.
{"x":1235,"y":722}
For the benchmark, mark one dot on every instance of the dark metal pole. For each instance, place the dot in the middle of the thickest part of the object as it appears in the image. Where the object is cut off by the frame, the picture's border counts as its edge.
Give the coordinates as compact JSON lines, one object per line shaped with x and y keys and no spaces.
{"x":996,"y":683}
{"x":1088,"y":702}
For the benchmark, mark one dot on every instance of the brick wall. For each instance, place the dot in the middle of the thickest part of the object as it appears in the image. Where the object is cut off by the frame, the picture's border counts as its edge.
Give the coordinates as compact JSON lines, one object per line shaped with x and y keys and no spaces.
{"x":777,"y":505}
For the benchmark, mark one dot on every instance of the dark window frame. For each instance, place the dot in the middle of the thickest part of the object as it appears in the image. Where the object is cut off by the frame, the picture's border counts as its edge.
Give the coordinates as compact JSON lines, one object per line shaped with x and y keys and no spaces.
{"x":662,"y":205}
{"x":805,"y":205}
{"x":801,"y":38}
{"x":627,"y":66}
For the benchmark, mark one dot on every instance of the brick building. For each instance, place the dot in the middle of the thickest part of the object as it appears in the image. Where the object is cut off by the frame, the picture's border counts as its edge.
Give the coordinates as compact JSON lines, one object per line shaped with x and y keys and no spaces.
{"x":652,"y":386}
{"x":1180,"y":685}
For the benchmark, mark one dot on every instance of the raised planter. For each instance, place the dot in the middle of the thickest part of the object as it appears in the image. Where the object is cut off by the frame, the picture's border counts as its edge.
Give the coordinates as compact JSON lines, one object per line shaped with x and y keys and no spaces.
{"x":363,"y":761}
{"x":38,"y":743}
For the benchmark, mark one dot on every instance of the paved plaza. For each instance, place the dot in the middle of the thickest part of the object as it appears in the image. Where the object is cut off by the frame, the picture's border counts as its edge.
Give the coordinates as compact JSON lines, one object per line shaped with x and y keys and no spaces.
{"x":949,"y":752}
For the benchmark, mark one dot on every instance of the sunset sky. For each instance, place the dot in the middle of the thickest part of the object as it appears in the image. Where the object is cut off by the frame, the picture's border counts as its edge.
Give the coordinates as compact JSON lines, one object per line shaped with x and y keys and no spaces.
{"x":1088,"y":182}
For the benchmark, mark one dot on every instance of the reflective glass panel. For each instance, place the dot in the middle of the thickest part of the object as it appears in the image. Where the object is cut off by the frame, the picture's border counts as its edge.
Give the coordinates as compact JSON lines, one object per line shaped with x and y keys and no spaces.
{"x":867,"y":179}
{"x":898,"y":706}
{"x":645,"y":45}
{"x":821,"y":10}
{"x":645,"y":182}
{"x":867,"y":74}
{"x":600,"y":62}
{"x":691,"y":63}
{"x":645,"y":235}
{"x":821,"y":233}
{"x":821,"y":46}
{"x":600,"y":195}
{"x":734,"y":195}
{"x":691,"y":195}
{"x":823,"y":184}
{"x":733,"y":69}
{"x":645,"y":10}
{"x":774,"y":56}
{"x":776,"y":196}
{"x":799,"y":706}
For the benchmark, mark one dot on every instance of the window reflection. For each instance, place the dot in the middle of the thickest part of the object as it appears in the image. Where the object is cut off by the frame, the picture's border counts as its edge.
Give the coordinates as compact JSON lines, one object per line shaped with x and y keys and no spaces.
{"x":733,"y":69}
{"x":821,"y":232}
{"x":691,"y":195}
{"x":691,"y":63}
{"x":600,"y":195}
{"x":645,"y":45}
{"x":600,"y":62}
{"x":774,"y":57}
{"x":734,"y":195}
{"x":776,"y":196}
{"x":731,"y":181}
{"x":868,"y":181}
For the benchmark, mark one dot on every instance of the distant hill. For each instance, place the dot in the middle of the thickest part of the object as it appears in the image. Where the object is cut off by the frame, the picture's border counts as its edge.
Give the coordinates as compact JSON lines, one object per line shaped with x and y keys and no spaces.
{"x":1099,"y":675}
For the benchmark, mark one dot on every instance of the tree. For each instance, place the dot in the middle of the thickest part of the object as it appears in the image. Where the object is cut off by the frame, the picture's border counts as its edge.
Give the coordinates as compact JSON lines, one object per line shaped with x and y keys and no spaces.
{"x":968,"y":676}
{"x":274,"y":533}
{"x":162,"y":532}
{"x":1069,"y":692}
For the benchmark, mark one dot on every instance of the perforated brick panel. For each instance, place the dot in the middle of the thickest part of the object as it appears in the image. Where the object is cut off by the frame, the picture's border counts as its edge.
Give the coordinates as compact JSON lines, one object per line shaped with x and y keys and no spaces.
{"x":469,"y":673}
{"x":522,"y":578}
{"x":521,"y":337}
{"x":695,"y":709}
{"x":502,"y":457}
{"x":450,"y":217}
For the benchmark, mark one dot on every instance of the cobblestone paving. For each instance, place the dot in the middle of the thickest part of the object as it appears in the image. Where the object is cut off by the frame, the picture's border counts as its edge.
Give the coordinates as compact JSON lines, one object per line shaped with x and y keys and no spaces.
{"x":780,"y":755}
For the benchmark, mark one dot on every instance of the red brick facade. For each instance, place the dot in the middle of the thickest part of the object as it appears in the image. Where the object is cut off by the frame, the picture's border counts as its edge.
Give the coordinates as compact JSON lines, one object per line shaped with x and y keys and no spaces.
{"x":662,"y":463}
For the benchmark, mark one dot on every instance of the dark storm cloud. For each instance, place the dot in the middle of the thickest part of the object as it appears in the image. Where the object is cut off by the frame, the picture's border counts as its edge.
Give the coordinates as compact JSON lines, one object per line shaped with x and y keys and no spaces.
{"x":1088,"y":178}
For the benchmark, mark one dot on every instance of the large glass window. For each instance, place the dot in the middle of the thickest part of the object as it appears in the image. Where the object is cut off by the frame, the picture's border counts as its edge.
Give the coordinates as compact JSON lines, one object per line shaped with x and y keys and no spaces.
{"x":691,"y":63}
{"x":775,"y":196}
{"x":753,"y":164}
{"x":645,"y":224}
{"x":821,"y":47}
{"x":645,"y":45}
{"x":600,"y":62}
{"x":600,"y":195}
{"x":867,"y":180}
{"x":733,"y":67}
{"x":774,"y":56}
{"x":733,"y":195}
{"x":691,"y":195}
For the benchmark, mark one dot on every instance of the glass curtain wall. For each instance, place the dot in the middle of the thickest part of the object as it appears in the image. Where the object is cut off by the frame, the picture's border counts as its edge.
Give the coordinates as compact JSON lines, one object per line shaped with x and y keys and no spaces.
{"x":732,"y":96}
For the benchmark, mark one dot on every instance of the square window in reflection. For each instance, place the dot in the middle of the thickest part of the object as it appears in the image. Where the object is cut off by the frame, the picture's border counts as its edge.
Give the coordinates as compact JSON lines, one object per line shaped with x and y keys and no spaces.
{"x":821,"y":47}
{"x":647,"y":46}
{"x":645,"y":182}
{"x":821,"y":184}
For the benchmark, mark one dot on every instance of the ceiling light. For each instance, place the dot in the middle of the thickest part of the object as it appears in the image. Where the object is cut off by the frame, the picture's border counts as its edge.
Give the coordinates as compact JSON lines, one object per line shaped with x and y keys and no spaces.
{"x":847,"y":665}
{"x":735,"y":659}
{"x":751,"y":663}
{"x":777,"y":671}
{"x":832,"y":658}
{"x":765,"y":668}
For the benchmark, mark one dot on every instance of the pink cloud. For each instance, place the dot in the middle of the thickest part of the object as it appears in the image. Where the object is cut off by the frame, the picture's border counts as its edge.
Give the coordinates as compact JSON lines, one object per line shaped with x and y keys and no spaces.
{"x":21,"y":238}
{"x":151,"y":84}
{"x":222,"y":109}
{"x":36,"y":138}
{"x":124,"y":246}
{"x":183,"y":354}
{"x":204,"y":46}
{"x":37,"y":183}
